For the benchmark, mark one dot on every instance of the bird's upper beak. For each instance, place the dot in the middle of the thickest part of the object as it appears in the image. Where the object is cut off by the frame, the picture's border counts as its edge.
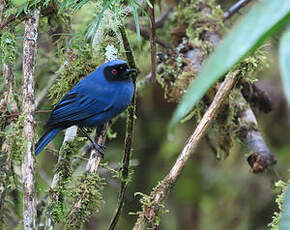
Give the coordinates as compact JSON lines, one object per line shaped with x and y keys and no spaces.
{"x":128,"y":73}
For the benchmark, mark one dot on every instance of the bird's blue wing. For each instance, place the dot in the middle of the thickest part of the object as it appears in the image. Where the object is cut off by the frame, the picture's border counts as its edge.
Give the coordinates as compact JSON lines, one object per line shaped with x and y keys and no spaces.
{"x":75,"y":107}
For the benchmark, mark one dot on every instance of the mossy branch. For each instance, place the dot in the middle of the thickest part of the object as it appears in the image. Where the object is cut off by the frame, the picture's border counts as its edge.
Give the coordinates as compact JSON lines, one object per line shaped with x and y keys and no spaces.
{"x":5,"y":140}
{"x":7,"y":107}
{"x":55,"y":205}
{"x":280,"y":201}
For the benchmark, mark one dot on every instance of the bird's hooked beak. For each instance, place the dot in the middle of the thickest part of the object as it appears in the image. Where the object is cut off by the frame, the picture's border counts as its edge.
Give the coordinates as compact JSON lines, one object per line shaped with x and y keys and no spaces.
{"x":128,"y":73}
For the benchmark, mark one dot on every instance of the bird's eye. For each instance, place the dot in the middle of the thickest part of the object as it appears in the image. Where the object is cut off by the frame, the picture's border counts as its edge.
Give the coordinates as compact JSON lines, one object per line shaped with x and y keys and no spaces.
{"x":114,"y":71}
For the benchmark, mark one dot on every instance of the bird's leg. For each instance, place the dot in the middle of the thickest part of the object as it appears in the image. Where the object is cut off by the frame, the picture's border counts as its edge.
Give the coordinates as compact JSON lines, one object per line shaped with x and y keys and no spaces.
{"x":98,"y":148}
{"x":99,"y":130}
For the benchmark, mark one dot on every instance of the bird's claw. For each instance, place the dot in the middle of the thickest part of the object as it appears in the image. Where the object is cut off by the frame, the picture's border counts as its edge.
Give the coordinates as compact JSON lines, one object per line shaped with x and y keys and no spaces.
{"x":100,"y":149}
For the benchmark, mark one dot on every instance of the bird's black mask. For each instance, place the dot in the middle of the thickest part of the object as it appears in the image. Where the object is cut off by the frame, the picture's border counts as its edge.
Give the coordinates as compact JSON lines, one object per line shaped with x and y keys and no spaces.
{"x":118,"y":72}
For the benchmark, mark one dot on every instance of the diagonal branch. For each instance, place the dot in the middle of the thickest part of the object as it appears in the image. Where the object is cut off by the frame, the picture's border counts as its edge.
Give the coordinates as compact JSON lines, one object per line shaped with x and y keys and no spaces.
{"x":28,"y":108}
{"x":149,"y":212}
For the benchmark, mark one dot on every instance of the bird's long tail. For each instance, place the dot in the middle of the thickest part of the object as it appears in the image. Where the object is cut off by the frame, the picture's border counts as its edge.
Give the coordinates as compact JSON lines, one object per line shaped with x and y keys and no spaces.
{"x":45,"y":139}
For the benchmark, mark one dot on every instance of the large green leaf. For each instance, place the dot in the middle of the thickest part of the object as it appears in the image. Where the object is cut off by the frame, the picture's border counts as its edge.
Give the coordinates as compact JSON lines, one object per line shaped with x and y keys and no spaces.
{"x":285,"y":221}
{"x":284,"y":59}
{"x":262,"y":21}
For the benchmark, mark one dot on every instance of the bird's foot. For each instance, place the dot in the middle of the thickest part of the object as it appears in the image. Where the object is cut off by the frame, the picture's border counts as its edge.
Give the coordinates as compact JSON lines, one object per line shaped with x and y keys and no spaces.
{"x":100,"y":149}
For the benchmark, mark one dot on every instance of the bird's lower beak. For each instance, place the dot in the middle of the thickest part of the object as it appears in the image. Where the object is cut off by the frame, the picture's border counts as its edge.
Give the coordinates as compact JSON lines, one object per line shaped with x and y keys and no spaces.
{"x":129,"y":73}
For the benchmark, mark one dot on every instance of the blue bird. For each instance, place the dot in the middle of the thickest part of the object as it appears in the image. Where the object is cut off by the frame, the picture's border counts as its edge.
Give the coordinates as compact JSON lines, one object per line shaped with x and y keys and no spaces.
{"x":97,"y":98}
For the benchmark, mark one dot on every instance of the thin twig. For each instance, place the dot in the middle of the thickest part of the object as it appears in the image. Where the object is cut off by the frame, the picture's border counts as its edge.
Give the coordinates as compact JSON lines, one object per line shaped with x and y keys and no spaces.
{"x":146,"y":35}
{"x":28,"y":108}
{"x":235,"y":8}
{"x":148,"y":214}
{"x":129,"y":136}
{"x":153,"y":39}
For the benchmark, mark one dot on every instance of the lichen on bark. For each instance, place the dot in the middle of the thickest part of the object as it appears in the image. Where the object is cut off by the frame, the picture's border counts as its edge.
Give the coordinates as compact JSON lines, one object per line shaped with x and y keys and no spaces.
{"x":28,"y":109}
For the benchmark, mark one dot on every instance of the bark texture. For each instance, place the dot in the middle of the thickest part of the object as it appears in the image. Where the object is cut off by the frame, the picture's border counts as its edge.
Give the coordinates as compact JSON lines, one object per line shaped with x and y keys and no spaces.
{"x":28,"y":108}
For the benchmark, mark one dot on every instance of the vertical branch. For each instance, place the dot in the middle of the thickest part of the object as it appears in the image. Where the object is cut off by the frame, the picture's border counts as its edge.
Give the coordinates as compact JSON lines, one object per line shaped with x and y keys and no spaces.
{"x":8,"y":51}
{"x":8,"y":78}
{"x":5,"y":158}
{"x":5,"y":154}
{"x":128,"y":138}
{"x":153,"y":40}
{"x":28,"y":108}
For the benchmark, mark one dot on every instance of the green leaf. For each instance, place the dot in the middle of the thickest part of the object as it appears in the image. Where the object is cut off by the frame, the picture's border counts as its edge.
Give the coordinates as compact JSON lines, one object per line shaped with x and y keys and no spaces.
{"x":265,"y":18}
{"x":25,"y":9}
{"x":285,"y":221}
{"x":94,"y":26}
{"x":19,"y":11}
{"x":149,"y":3}
{"x":9,"y":108}
{"x":284,"y":59}
{"x":62,"y":6}
{"x":136,"y":18}
{"x":80,"y":5}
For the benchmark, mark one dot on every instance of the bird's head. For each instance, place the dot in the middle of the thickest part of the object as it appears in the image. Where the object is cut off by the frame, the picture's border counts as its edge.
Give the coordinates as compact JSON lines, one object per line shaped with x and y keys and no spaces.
{"x":117,"y":70}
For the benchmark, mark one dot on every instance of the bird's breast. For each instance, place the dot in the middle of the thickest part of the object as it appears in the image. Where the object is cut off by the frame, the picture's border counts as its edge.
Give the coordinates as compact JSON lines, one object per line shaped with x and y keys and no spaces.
{"x":124,"y":97}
